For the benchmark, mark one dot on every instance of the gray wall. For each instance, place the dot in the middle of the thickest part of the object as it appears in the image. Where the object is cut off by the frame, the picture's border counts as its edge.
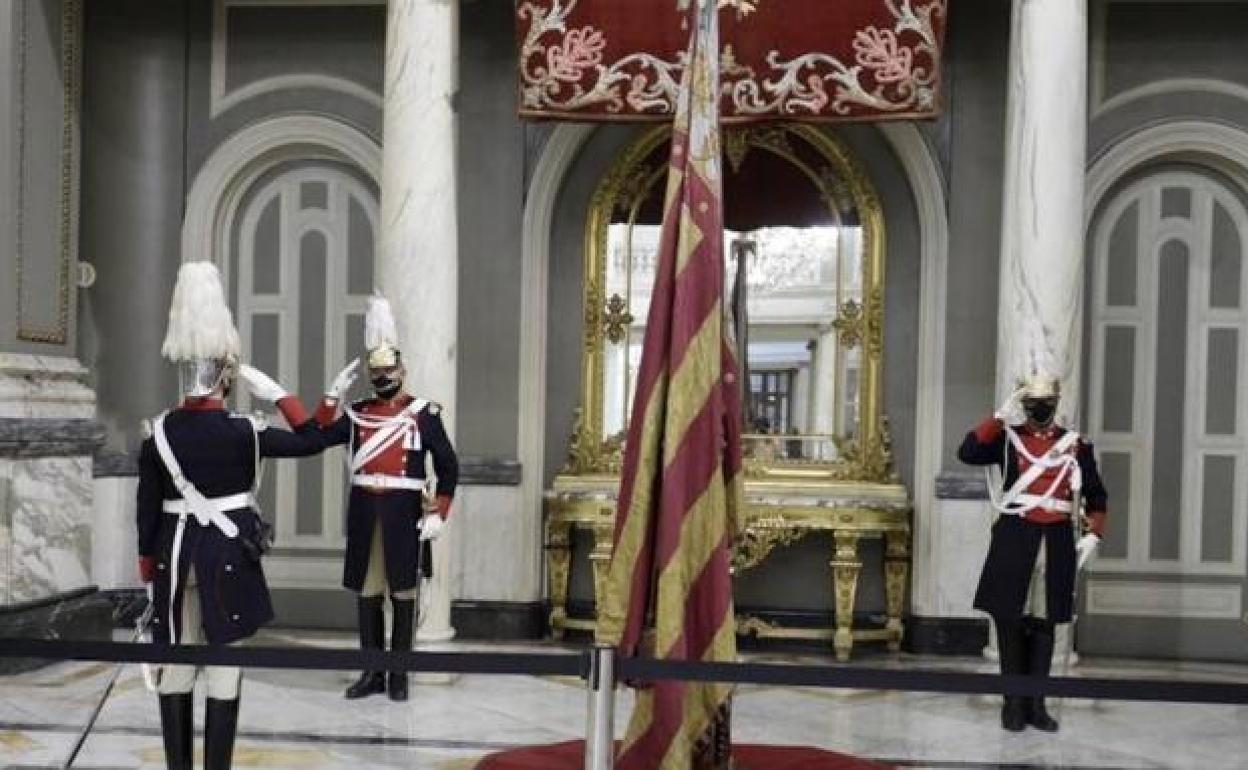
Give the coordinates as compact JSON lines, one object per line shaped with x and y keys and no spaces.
{"x":133,"y":155}
{"x":491,"y":209}
{"x":147,"y":130}
{"x":975,"y":60}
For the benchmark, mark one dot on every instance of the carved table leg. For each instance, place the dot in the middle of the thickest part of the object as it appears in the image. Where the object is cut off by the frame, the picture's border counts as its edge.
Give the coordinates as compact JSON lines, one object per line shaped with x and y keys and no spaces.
{"x":600,"y":558}
{"x":845,"y":569}
{"x":896,"y":574}
{"x":558,"y":565}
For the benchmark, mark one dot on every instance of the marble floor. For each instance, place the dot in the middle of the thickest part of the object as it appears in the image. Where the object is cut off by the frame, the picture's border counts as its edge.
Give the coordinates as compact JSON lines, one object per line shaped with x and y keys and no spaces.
{"x":298,"y":719}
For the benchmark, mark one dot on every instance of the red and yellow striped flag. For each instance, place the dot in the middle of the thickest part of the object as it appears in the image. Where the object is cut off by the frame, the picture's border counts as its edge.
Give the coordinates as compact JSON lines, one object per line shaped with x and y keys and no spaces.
{"x":680,"y":490}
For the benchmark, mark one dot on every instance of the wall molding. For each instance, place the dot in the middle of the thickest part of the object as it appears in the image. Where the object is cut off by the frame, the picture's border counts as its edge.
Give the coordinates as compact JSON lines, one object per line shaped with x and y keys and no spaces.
{"x":1202,"y":601}
{"x":928,"y":188}
{"x":1167,"y":86}
{"x":240,"y":160}
{"x":1219,"y":146}
{"x":67,"y":223}
{"x":221,"y":98}
{"x":556,"y":159}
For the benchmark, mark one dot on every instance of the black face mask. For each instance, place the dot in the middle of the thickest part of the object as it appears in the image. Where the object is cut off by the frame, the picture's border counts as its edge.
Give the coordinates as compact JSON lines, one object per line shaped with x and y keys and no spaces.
{"x":387,"y":387}
{"x":1040,"y":411}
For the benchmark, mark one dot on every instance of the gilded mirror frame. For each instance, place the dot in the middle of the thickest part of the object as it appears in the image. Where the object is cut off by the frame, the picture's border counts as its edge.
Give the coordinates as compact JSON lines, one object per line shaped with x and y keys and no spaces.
{"x":867,"y":457}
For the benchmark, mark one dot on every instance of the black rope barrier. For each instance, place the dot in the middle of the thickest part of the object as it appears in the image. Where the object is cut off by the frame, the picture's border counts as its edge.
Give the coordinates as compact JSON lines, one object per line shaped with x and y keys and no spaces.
{"x":633,"y":670}
{"x":539,"y":664}
{"x":921,"y":680}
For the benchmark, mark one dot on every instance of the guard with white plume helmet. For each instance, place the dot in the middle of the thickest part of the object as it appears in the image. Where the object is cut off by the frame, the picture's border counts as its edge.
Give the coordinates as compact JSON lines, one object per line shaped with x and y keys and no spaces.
{"x":200,"y":535}
{"x":395,"y":510}
{"x":1051,"y":490}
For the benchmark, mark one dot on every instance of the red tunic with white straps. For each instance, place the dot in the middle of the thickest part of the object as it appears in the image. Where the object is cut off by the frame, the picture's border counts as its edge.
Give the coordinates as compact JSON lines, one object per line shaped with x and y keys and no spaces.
{"x":386,"y":485}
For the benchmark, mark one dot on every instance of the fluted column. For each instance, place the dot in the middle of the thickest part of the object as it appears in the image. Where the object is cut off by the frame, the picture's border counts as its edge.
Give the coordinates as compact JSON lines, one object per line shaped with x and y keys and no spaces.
{"x":419,"y":265}
{"x":1042,"y":235}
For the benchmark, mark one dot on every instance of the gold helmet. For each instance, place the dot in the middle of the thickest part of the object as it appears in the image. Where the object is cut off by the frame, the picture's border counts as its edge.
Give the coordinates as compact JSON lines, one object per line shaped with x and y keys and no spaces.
{"x":383,"y":357}
{"x":1038,"y":385}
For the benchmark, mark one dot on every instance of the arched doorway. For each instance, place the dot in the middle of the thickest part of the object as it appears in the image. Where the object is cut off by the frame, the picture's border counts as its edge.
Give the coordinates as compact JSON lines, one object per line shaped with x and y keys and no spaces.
{"x":1167,"y":314}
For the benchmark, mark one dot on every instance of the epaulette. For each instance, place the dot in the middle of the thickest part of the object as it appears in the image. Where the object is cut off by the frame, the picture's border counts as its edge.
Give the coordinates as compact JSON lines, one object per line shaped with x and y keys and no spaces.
{"x":434,"y":408}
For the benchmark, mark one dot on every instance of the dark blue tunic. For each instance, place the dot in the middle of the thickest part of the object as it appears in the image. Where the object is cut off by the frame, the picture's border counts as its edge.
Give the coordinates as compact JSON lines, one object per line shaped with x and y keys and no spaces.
{"x":217,"y":452}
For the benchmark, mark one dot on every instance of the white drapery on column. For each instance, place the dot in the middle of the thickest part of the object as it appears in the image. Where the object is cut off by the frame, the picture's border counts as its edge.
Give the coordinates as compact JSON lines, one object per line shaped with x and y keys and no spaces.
{"x":1042,"y":235}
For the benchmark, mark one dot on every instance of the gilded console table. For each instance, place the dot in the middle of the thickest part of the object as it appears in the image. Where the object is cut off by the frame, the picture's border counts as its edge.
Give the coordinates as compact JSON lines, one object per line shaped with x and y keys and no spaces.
{"x":777,"y":515}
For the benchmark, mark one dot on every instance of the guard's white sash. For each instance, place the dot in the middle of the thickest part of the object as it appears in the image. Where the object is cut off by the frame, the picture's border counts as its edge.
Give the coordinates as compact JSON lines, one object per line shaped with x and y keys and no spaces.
{"x":389,"y":430}
{"x":1017,"y":499}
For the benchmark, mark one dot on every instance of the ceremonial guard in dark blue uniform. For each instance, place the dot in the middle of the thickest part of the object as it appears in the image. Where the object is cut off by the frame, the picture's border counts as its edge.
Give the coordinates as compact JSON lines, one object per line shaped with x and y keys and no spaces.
{"x":392,"y":513}
{"x":200,"y":536}
{"x":1052,"y":492}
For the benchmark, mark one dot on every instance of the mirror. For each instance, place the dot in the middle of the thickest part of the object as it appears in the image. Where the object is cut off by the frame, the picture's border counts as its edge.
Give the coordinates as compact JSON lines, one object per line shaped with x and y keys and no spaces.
{"x":803,"y":272}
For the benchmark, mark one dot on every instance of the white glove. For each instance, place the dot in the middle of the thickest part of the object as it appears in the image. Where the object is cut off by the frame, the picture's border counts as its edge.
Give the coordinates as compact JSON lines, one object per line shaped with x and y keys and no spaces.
{"x":342,"y":383}
{"x":431,"y":527}
{"x":1085,"y":550}
{"x":1009,"y":411}
{"x":261,"y":385}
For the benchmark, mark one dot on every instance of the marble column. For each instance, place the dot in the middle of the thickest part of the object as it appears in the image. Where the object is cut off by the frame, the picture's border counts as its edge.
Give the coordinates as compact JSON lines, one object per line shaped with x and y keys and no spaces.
{"x":419,"y":267}
{"x":1042,"y":236}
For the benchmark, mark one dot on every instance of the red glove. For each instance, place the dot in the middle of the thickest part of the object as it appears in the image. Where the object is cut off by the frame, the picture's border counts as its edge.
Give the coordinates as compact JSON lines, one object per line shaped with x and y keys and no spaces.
{"x":147,"y":568}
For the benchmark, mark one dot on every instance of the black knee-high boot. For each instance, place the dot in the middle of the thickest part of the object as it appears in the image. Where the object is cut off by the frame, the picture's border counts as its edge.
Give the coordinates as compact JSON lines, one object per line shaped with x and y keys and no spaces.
{"x":176,"y":729}
{"x":1012,"y":650}
{"x":371,"y":635}
{"x":1040,"y":635}
{"x":220,"y":727}
{"x":401,"y":641}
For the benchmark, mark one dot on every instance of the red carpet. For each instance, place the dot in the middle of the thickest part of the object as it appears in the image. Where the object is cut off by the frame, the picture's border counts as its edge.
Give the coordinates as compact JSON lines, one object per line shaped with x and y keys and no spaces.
{"x":571,"y":756}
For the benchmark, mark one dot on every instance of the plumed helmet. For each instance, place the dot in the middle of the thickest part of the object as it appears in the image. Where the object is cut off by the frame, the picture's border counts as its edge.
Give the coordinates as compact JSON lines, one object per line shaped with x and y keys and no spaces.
{"x":201,"y":337}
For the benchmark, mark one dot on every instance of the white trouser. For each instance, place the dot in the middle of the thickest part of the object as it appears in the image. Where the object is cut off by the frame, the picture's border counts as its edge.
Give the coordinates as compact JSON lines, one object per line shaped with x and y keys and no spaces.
{"x":223,"y":681}
{"x":1037,"y":594}
{"x":375,"y":582}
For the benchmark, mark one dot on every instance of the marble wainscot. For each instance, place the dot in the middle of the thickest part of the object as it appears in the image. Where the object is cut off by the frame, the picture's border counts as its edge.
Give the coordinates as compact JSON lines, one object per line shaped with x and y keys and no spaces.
{"x":947,"y":624}
{"x":48,"y":436}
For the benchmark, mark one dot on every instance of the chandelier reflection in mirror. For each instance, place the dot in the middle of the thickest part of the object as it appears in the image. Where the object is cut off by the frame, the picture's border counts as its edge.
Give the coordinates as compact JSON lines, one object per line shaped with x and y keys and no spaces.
{"x":803,"y":278}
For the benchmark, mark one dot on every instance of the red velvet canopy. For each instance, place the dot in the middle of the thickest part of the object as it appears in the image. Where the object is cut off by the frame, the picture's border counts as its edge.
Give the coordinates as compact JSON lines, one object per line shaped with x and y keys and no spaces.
{"x":794,"y":59}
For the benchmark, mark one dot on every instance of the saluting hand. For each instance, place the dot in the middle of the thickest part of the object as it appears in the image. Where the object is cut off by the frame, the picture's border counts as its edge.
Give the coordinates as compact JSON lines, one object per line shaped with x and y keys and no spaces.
{"x":342,"y":383}
{"x":261,"y":385}
{"x":1009,"y":410}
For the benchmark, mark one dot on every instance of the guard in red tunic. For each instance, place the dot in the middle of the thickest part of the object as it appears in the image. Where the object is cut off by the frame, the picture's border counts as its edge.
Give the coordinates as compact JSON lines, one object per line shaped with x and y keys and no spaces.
{"x":1028,"y":581}
{"x":389,"y":522}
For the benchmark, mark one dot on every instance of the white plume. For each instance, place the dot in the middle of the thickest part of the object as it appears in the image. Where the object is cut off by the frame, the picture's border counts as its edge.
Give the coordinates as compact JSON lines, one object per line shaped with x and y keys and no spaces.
{"x":200,"y":323}
{"x":379,"y":326}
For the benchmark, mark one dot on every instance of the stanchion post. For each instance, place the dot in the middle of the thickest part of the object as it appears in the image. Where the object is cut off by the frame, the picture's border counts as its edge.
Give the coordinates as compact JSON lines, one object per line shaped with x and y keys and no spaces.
{"x":600,"y":716}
